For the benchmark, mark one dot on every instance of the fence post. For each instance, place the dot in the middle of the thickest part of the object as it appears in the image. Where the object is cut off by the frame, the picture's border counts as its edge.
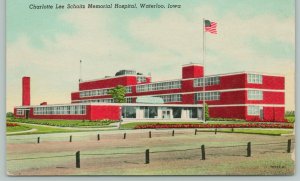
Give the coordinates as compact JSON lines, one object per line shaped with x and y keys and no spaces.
{"x":173,"y":132}
{"x":70,"y":138}
{"x":216,"y":131}
{"x":195,"y":131}
{"x":38,"y":140}
{"x":124,"y":137}
{"x":249,"y":149}
{"x":147,"y":157}
{"x":149,"y":134}
{"x":78,"y":159}
{"x":202,"y":152}
{"x":98,"y":137}
{"x":289,"y":145}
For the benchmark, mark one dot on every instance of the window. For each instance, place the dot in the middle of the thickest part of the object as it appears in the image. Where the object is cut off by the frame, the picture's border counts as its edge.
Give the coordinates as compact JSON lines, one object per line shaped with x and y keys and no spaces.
{"x":129,"y":112}
{"x":208,"y":81}
{"x":128,"y":90}
{"x":177,"y":112}
{"x":209,"y":96}
{"x":20,"y":111}
{"x":254,"y":78}
{"x":159,"y":86}
{"x":149,"y":112}
{"x":171,"y":98}
{"x":60,"y":110}
{"x":129,"y":99}
{"x":253,"y":110}
{"x":255,"y":95}
{"x":141,"y":79}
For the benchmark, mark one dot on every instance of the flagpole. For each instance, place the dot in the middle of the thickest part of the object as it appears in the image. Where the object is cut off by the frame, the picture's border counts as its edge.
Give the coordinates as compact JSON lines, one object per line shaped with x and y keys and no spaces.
{"x":204,"y":43}
{"x":80,"y":71}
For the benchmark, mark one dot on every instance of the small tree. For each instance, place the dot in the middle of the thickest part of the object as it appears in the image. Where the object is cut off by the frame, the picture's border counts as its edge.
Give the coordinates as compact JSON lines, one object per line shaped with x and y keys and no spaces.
{"x":206,"y":112}
{"x":118,"y":94}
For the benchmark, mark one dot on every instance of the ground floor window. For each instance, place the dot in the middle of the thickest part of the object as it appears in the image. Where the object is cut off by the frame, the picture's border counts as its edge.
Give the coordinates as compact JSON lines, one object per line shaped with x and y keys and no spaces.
{"x":60,"y":110}
{"x":129,"y":112}
{"x":253,"y":110}
{"x":149,"y":112}
{"x":193,"y":112}
{"x":20,"y":111}
{"x":177,"y":112}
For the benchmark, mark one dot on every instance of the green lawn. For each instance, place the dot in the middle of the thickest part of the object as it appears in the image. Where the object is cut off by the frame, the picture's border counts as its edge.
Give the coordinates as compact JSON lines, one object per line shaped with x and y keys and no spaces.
{"x":39,"y":129}
{"x":262,"y":131}
{"x":17,"y":128}
{"x":64,"y":123}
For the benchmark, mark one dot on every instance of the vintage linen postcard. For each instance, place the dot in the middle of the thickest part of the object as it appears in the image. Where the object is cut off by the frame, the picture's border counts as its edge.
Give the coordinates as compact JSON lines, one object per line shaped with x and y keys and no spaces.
{"x":145,"y":87}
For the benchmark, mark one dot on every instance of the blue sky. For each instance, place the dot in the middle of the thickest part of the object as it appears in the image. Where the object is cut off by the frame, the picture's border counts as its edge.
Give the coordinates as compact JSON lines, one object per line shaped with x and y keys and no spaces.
{"x":254,"y":35}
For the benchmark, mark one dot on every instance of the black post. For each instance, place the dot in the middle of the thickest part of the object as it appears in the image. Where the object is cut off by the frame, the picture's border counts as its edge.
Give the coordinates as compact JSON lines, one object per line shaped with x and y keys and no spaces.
{"x":147,"y":157}
{"x":124,"y":136}
{"x":202,"y":152}
{"x":149,"y":134}
{"x":289,"y":146}
{"x":249,"y":149}
{"x":38,"y":140}
{"x":78,"y":159}
{"x":216,"y":131}
{"x":195,"y":131}
{"x":98,"y":137}
{"x":70,"y":138}
{"x":173,"y":132}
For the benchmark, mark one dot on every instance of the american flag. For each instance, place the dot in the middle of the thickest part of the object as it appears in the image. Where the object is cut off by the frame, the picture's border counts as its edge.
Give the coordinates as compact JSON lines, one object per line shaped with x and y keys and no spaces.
{"x":210,"y":26}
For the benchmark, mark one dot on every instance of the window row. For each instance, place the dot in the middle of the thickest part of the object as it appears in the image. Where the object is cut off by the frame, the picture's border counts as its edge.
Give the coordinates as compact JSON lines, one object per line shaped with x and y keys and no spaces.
{"x":208,"y":81}
{"x":159,"y":86}
{"x":255,"y":95}
{"x":171,"y":98}
{"x":253,"y":110}
{"x":100,"y":92}
{"x":254,"y":78}
{"x":209,"y":96}
{"x":97,"y":100}
{"x":128,"y":100}
{"x":60,"y":110}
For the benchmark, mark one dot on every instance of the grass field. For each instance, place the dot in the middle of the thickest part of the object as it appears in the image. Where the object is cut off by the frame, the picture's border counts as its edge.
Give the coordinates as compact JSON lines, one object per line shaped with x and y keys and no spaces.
{"x":43,"y":129}
{"x":63,"y":123}
{"x":169,"y":155}
{"x":17,"y":128}
{"x":261,"y":131}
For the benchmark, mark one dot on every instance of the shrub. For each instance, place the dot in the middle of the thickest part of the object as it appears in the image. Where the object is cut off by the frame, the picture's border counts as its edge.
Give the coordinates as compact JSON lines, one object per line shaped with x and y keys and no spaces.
{"x":12,"y":124}
{"x":248,"y":125}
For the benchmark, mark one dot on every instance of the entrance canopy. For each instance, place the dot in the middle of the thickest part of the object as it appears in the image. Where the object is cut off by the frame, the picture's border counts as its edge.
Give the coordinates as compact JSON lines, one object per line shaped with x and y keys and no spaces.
{"x":149,"y":100}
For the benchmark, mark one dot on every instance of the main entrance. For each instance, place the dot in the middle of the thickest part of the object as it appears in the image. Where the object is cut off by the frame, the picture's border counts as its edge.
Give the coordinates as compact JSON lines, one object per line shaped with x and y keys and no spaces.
{"x":166,"y":114}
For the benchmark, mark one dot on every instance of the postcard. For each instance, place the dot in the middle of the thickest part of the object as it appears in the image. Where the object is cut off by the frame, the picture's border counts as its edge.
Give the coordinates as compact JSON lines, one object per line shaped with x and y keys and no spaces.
{"x":145,"y":87}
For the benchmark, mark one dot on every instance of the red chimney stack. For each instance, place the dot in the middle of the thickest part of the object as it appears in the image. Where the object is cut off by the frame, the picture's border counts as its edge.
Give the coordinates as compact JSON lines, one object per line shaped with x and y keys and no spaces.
{"x":26,"y":91}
